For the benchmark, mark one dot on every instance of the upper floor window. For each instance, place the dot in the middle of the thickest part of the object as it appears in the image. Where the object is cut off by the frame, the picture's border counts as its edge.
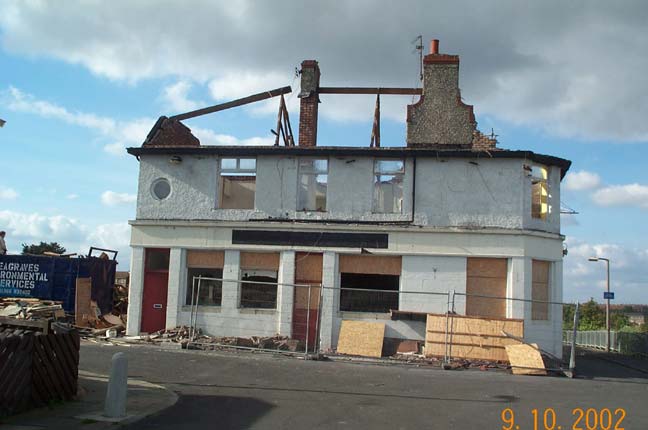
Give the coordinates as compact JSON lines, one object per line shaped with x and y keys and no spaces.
{"x":313,"y":179}
{"x":388,"y":186}
{"x":237,"y":184}
{"x":539,"y":192}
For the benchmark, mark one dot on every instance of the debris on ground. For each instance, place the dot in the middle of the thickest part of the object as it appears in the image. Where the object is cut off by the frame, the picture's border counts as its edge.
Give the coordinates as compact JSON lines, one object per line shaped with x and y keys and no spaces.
{"x":181,"y":335}
{"x":31,"y":309}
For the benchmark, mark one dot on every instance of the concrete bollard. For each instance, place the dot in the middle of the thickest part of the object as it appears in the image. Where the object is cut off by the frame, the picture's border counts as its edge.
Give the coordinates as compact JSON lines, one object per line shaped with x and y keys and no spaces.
{"x":115,"y":406}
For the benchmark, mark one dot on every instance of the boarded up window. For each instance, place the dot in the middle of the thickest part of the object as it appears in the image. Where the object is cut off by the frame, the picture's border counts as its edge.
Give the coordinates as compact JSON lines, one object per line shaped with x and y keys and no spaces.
{"x":371,"y":264}
{"x":540,"y":290}
{"x":260,"y":270}
{"x":369,"y":283}
{"x":486,"y":277}
{"x":211,"y":259}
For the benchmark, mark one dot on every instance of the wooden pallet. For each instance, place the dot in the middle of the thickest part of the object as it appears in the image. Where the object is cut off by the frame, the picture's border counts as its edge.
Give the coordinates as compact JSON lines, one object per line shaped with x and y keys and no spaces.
{"x":36,"y":368}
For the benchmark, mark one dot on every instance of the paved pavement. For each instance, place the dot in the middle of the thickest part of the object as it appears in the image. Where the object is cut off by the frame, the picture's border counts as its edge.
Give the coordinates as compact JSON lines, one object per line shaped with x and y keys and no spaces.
{"x":251,"y":390}
{"x":143,"y":399}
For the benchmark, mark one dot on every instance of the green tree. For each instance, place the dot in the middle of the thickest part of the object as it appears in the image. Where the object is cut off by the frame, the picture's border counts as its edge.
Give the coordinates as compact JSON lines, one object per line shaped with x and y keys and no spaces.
{"x":568,"y":316}
{"x":42,"y":247}
{"x":591,"y":317}
{"x":619,"y":320}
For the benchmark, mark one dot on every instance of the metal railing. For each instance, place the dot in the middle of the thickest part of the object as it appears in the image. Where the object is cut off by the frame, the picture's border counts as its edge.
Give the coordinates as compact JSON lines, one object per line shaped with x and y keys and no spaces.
{"x":593,"y":339}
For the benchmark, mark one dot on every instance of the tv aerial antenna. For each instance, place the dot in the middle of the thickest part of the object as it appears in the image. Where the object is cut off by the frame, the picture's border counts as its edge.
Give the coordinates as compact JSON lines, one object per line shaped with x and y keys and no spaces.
{"x":418,"y":41}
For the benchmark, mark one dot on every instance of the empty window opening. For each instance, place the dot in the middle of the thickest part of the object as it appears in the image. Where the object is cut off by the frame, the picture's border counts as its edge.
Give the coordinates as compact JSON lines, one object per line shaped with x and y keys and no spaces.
{"x":388,"y":186}
{"x":540,"y":290}
{"x":313,"y":180}
{"x":209,"y":292}
{"x":260,"y":290}
{"x":237,"y":185}
{"x":259,"y":280}
{"x":486,"y":278}
{"x":361,"y":292}
{"x":539,"y":192}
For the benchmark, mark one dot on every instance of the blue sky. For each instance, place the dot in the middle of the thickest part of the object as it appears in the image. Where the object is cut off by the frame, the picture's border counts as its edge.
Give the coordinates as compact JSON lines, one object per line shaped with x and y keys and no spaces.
{"x":79,"y":82}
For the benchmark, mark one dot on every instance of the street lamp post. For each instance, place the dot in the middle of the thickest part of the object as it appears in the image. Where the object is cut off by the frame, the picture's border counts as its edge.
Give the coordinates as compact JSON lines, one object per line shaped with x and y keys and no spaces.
{"x":607,"y":303}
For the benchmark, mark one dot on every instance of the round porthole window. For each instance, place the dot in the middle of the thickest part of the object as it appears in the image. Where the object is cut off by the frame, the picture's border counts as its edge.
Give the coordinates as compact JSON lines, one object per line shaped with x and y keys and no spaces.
{"x":161,"y":189}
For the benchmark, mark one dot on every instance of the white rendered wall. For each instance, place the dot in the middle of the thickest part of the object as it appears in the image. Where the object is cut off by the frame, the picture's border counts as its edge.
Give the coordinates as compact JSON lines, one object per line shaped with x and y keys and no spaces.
{"x":478,"y":193}
{"x":135,"y":291}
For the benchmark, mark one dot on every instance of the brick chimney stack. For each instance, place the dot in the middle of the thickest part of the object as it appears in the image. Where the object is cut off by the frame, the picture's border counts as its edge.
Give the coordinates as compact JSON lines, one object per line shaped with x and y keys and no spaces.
{"x":440,"y":117}
{"x":310,"y":79}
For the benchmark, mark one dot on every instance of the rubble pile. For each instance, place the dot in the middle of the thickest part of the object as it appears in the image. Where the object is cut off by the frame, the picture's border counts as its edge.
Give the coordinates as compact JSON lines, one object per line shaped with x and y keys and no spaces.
{"x":31,"y":309}
{"x":120,"y":300}
{"x":182,"y":335}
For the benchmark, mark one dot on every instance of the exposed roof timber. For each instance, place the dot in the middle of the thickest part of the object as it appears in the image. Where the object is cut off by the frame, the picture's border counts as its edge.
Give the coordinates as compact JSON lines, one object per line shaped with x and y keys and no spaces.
{"x":368,"y":90}
{"x":234,"y":103}
{"x":342,"y":151}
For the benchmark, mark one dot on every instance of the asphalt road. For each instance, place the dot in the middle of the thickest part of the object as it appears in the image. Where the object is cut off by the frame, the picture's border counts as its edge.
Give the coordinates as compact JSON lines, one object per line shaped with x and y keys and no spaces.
{"x":247,"y":390}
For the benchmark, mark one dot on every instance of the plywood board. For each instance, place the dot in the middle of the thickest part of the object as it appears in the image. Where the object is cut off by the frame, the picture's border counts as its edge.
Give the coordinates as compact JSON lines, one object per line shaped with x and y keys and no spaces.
{"x":308,"y":267}
{"x":540,"y":290}
{"x":82,"y":307}
{"x":371,"y":264}
{"x":260,"y":260}
{"x":467,"y":351}
{"x":476,"y":325}
{"x":480,"y":340}
{"x":486,"y":267}
{"x":470,"y":337}
{"x":361,"y":338}
{"x":486,"y":277}
{"x":525,"y":359}
{"x":540,"y":271}
{"x":206,"y":259}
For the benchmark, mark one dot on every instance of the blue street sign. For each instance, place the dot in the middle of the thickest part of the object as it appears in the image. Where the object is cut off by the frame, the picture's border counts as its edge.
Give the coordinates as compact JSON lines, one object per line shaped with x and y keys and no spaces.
{"x":609,"y":295}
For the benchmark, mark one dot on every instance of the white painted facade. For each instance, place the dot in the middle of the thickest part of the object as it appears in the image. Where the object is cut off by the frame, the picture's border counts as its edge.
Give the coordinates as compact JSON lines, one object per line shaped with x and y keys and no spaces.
{"x":463,"y":208}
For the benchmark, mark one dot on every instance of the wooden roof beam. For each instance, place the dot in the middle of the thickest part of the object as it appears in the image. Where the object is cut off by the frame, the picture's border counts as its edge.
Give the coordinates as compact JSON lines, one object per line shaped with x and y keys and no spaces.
{"x":234,"y":103}
{"x":369,"y":90}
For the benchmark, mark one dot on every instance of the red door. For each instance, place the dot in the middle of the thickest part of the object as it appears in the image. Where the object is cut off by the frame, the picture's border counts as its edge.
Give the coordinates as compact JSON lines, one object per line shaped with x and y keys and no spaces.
{"x":156,"y":285}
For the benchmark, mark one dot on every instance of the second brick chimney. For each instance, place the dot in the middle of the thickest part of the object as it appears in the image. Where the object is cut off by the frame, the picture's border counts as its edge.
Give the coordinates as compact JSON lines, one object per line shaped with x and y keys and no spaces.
{"x":440,"y":117}
{"x":310,"y":79}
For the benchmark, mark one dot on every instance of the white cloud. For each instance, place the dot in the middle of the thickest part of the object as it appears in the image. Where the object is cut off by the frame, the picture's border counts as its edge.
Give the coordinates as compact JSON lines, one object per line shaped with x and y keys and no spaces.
{"x":584,"y":279}
{"x":209,"y":137}
{"x":71,"y":233}
{"x":581,"y":181}
{"x":622,"y":195}
{"x":111,"y":198}
{"x":122,"y":133}
{"x":19,"y":101}
{"x":72,"y":196}
{"x":127,"y":133}
{"x":563,"y":70}
{"x":235,"y":85}
{"x":7,"y":193}
{"x":176,"y":98}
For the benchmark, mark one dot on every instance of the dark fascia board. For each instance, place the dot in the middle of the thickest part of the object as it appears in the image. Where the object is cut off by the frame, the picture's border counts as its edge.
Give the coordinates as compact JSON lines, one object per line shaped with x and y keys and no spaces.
{"x":249,"y":151}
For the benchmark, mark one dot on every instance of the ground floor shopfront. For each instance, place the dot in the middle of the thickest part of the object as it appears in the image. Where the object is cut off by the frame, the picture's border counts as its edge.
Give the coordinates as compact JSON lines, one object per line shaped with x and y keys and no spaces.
{"x":301,"y":291}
